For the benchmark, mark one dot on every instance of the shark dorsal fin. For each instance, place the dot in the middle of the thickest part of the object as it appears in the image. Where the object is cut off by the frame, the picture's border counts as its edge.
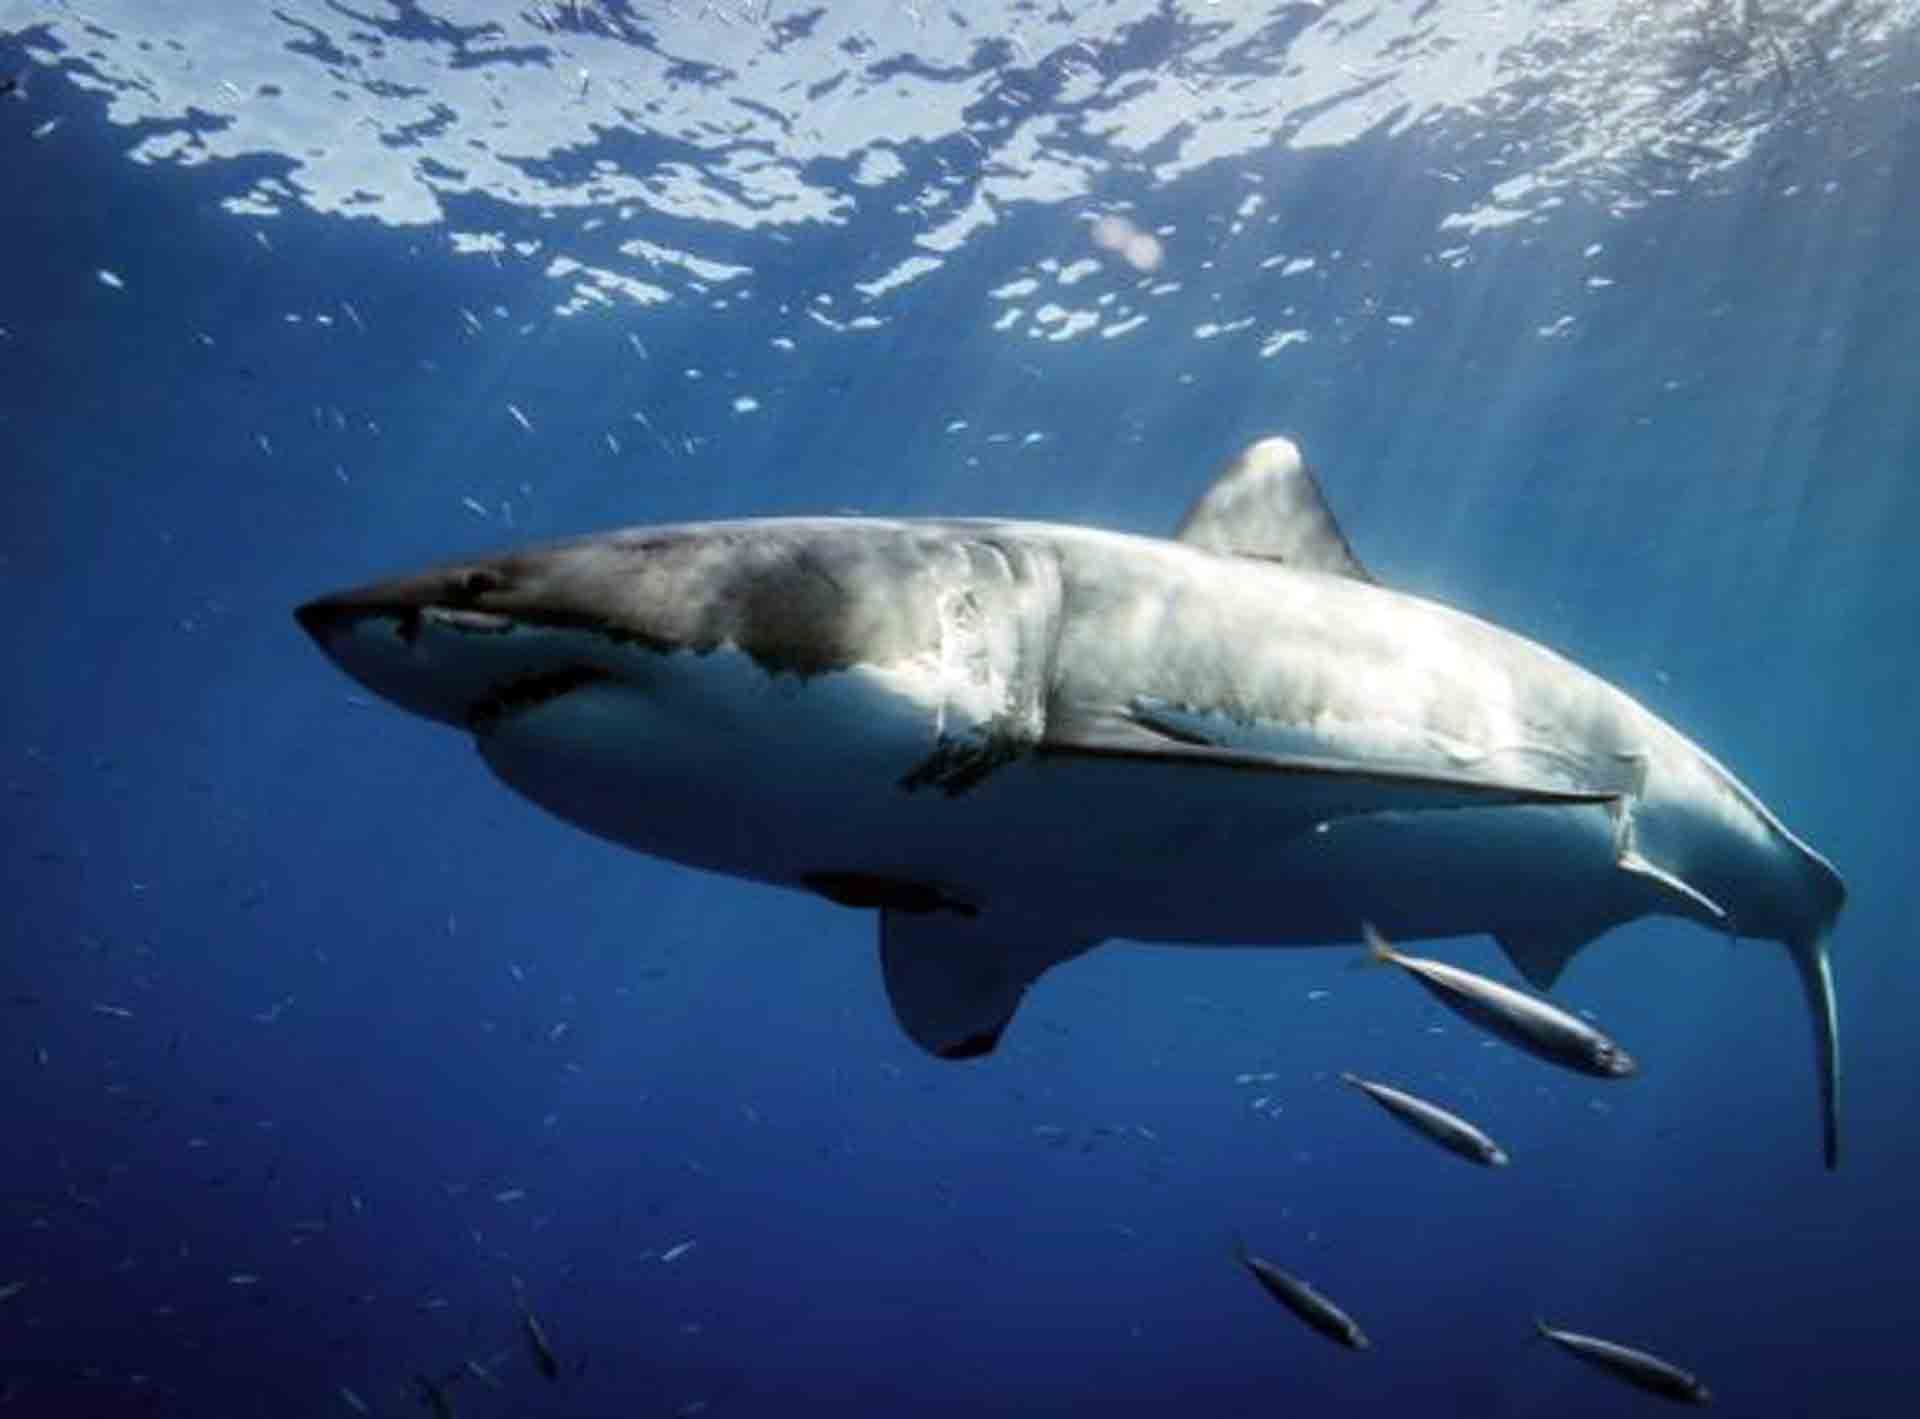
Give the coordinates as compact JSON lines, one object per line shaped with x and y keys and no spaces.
{"x":1266,"y":504}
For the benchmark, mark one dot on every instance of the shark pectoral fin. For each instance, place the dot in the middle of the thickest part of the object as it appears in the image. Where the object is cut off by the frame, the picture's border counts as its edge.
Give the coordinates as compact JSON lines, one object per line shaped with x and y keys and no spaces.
{"x":1816,"y":979}
{"x":1266,"y":503}
{"x":955,"y":981}
{"x":1331,"y":787}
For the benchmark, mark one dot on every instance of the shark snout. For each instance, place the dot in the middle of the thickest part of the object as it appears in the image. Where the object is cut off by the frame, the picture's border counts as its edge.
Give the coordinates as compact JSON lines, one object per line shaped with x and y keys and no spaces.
{"x":405,"y":643}
{"x":443,"y":645}
{"x":316,"y":618}
{"x":400,"y":601}
{"x":326,"y":618}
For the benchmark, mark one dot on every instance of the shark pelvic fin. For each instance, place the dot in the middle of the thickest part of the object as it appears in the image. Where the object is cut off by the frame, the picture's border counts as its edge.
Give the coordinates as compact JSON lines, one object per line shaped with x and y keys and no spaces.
{"x":1266,"y":503}
{"x":1541,"y":953}
{"x":955,"y":981}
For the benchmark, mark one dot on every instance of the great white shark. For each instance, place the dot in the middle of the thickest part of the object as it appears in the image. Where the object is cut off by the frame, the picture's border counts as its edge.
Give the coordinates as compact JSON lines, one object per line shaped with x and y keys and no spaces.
{"x":1015,"y":740}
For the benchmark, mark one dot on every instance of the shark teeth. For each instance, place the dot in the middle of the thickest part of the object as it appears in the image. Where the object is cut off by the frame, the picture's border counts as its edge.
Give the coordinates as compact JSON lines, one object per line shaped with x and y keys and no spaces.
{"x":461,"y":618}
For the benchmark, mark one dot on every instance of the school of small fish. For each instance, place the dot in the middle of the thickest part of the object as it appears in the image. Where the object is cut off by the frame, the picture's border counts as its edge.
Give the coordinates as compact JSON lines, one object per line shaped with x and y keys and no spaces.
{"x":1525,"y":1021}
{"x":1544,"y":1031}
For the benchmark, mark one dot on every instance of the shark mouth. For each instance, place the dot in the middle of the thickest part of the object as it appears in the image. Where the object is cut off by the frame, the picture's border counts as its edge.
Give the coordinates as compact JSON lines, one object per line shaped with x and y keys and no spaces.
{"x":528,"y":692}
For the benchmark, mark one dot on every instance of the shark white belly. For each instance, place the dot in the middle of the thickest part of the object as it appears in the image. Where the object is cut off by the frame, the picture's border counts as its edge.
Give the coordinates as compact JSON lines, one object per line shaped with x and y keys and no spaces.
{"x":1016,"y":740}
{"x":1043,"y":835}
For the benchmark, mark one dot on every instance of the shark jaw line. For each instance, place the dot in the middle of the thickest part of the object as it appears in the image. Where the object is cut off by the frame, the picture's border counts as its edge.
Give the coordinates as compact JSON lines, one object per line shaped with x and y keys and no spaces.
{"x":527,"y":692}
{"x":521,"y":690}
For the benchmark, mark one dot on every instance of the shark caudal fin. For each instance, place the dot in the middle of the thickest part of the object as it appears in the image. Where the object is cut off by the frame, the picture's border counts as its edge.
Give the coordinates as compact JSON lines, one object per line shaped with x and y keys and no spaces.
{"x":1815,"y":965}
{"x":1823,"y":896}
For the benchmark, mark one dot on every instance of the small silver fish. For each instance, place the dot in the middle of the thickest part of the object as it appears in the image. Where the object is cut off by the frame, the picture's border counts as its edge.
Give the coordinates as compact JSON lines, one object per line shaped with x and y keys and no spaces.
{"x":1541,"y":1029}
{"x":1300,"y":1298}
{"x":1449,"y":1130}
{"x":544,"y":1360}
{"x":1636,"y":1367}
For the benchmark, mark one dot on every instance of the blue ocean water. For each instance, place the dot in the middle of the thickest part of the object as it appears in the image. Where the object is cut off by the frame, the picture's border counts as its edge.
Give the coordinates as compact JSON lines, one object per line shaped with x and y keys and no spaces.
{"x":326,"y":1055}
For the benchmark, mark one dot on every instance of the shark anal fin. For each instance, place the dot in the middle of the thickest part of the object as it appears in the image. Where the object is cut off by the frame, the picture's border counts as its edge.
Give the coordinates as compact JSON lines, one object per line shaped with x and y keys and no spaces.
{"x":955,"y":982}
{"x":1266,"y":503}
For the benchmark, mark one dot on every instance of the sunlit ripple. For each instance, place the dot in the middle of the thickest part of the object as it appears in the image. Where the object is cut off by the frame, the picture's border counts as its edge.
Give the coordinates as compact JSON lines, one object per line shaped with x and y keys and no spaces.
{"x":680,"y":126}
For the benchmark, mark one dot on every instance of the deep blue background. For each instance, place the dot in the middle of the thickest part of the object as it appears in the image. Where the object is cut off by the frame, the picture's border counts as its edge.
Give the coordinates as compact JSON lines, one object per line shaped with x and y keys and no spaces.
{"x":1705,"y":492}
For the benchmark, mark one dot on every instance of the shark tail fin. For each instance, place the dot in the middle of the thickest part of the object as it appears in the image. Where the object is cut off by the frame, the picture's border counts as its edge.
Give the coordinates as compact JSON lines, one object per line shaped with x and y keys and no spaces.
{"x":1815,"y":965}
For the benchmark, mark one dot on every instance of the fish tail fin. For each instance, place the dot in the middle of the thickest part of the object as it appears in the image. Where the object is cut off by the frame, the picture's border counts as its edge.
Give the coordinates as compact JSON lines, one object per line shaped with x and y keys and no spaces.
{"x":1379,"y":951}
{"x":1542,"y":1329}
{"x":1814,"y":963}
{"x":1237,"y":1246}
{"x":1347,"y":1076}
